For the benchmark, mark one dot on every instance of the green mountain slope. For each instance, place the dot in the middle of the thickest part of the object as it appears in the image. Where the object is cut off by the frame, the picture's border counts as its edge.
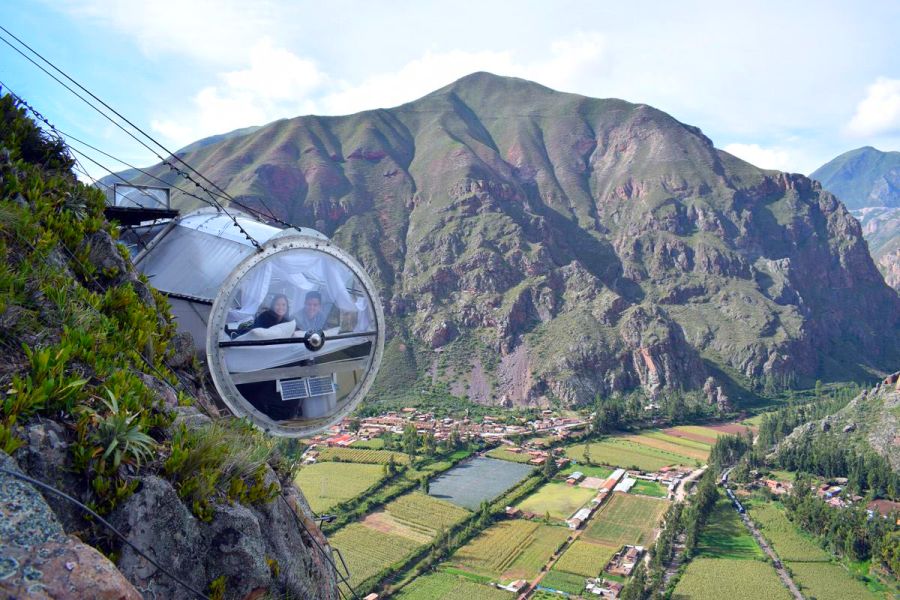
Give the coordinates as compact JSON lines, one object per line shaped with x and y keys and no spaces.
{"x":863,"y":177}
{"x":558,"y":246}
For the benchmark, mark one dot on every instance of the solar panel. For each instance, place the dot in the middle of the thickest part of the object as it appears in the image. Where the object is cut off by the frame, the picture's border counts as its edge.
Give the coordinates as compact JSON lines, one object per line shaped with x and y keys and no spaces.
{"x":293,"y":389}
{"x":319,"y":386}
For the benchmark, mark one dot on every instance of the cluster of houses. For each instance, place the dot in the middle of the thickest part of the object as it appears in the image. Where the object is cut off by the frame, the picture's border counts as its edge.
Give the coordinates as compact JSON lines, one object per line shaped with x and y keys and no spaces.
{"x":603,"y":486}
{"x":489,"y":428}
{"x":625,"y":560}
{"x":604,"y":588}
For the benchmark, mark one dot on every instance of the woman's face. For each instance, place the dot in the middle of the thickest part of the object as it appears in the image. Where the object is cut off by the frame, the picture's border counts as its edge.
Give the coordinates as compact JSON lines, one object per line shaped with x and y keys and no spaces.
{"x":280,"y":307}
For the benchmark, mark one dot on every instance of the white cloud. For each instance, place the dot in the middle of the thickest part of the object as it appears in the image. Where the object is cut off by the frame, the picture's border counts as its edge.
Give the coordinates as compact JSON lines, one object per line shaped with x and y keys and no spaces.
{"x":879,"y":112}
{"x":569,"y":60}
{"x":276,"y":83}
{"x":211,"y":31}
{"x":765,"y":158}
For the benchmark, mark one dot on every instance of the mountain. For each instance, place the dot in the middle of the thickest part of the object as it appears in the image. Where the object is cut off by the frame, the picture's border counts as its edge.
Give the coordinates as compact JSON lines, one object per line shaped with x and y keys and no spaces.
{"x":863,"y":177}
{"x":881,"y":228}
{"x":533,"y":245}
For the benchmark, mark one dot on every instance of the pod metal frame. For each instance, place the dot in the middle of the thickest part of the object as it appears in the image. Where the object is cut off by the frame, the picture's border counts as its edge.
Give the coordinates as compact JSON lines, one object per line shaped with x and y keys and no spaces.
{"x":234,"y":400}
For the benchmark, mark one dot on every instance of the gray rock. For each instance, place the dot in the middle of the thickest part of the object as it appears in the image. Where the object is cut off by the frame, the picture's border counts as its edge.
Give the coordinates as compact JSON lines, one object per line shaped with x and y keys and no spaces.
{"x":182,"y":346}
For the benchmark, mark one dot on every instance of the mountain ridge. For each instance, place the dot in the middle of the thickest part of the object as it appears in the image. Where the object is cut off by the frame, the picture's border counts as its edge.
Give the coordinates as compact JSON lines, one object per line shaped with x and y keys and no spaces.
{"x":566,"y":247}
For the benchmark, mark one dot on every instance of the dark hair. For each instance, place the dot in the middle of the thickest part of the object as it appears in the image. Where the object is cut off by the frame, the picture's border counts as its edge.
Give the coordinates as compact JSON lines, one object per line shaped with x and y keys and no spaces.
{"x":313,"y":294}
{"x":278,"y":297}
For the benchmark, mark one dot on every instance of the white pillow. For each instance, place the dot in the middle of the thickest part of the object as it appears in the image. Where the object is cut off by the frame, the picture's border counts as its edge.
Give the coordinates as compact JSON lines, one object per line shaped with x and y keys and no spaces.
{"x":282,"y":330}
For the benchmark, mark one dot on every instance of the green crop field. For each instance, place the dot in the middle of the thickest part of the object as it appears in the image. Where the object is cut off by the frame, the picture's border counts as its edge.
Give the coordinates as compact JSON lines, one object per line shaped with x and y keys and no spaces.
{"x":328,"y":484}
{"x":649,"y":488}
{"x":724,"y":535}
{"x":368,"y":551}
{"x":697,"y":433}
{"x":373,"y":444}
{"x":789,"y":544}
{"x":444,"y":586}
{"x":656,"y":434}
{"x":585,"y":558}
{"x":717,"y":578}
{"x":361,"y":455}
{"x":504,"y":454}
{"x":425,"y":514}
{"x":649,"y":441}
{"x":828,"y":581}
{"x":587,"y":470}
{"x":619,"y":452}
{"x":561,"y":500}
{"x":510,"y":550}
{"x":626,"y":519}
{"x":564,"y":582}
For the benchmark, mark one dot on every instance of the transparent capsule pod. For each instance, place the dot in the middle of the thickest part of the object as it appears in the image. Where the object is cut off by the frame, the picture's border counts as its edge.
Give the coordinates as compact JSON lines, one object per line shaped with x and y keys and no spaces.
{"x":295,"y":336}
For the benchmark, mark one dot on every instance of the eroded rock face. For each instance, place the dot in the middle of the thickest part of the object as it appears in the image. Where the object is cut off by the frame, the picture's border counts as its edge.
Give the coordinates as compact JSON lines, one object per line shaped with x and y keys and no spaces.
{"x":238,"y":543}
{"x":38,"y":559}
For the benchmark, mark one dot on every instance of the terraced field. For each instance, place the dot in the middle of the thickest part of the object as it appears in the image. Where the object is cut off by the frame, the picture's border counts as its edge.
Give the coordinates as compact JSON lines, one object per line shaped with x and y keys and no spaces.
{"x":368,"y":551}
{"x":510,"y":550}
{"x":444,"y":586}
{"x":734,"y":579}
{"x":362,"y":455}
{"x":328,"y":484}
{"x":626,"y":519}
{"x":586,"y":559}
{"x":621,"y":452}
{"x":558,"y":499}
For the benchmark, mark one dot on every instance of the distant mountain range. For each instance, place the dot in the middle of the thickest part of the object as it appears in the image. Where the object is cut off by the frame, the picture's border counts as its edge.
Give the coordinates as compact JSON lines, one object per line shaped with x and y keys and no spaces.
{"x":532,"y":245}
{"x":863,"y":177}
{"x":868,"y":182}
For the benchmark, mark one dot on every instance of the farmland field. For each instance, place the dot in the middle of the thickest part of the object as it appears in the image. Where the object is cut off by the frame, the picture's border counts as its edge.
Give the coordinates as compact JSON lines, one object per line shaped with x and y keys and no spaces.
{"x":717,"y":578}
{"x":724,"y":535}
{"x":373,"y":444}
{"x":559,"y":499}
{"x":564,"y":582}
{"x":362,"y":455}
{"x":649,"y":488}
{"x":587,"y":471}
{"x":585,"y":558}
{"x":668,"y":446}
{"x":626,"y":519}
{"x":510,"y":550}
{"x":620,"y":452}
{"x":444,"y":586}
{"x":790,"y":544}
{"x":696,"y":433}
{"x":656,"y":434}
{"x":471,"y":482}
{"x":828,"y":581}
{"x":328,"y":484}
{"x":368,"y":551}
{"x":504,"y":454}
{"x":428,"y":514}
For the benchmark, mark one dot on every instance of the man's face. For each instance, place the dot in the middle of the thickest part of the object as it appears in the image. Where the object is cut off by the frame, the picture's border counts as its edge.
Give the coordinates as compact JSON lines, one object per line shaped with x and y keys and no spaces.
{"x":312,"y":306}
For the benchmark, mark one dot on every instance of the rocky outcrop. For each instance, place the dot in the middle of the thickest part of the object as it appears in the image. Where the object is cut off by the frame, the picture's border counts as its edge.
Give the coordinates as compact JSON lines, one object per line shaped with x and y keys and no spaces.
{"x":38,"y":560}
{"x":881,"y":228}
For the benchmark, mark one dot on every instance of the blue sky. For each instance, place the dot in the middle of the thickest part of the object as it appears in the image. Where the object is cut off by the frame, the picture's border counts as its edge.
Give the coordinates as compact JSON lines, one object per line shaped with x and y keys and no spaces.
{"x":783,"y":85}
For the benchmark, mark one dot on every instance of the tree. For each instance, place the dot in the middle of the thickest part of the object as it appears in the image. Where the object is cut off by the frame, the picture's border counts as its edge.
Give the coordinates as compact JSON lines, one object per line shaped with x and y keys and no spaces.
{"x":635,"y":588}
{"x":423,"y":484}
{"x":428,"y":444}
{"x":355,"y":425}
{"x":410,"y":440}
{"x":549,"y":469}
{"x":587,"y":452}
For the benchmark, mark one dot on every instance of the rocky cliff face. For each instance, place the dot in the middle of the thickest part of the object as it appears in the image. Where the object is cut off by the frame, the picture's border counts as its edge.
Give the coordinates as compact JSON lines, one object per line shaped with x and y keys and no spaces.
{"x":881,"y":228}
{"x":555,"y":245}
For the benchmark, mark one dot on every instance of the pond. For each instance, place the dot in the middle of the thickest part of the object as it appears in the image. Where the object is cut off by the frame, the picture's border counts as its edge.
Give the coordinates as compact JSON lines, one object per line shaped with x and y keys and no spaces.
{"x":470,"y":483}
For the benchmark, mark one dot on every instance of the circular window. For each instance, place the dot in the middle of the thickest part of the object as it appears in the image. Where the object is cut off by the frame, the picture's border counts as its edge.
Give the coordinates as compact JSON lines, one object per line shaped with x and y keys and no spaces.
{"x":295,"y":336}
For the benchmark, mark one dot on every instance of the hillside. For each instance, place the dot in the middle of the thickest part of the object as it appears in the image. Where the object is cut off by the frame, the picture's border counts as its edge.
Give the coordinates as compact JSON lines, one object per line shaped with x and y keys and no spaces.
{"x":881,"y":228}
{"x":863,"y":177}
{"x":871,"y":421}
{"x":532,"y":245}
{"x":100,"y":400}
